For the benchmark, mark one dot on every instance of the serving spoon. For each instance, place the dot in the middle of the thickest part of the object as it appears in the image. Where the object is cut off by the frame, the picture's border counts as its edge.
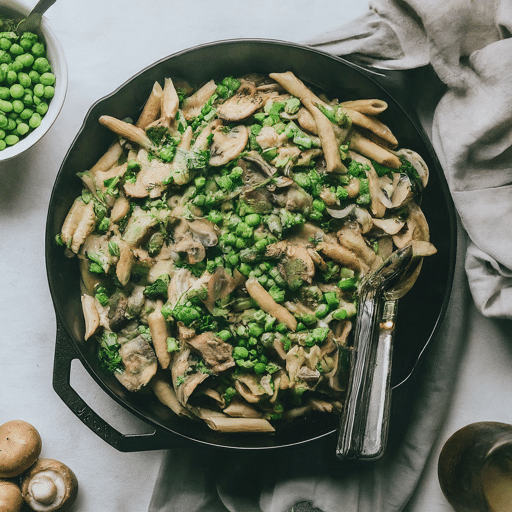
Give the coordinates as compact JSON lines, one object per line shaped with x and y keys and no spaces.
{"x":33,"y":20}
{"x":363,"y":424}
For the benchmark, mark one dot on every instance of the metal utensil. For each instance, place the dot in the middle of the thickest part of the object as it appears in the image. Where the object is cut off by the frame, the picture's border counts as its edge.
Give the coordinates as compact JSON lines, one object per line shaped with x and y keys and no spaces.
{"x":33,"y":20}
{"x":362,"y":399}
{"x":379,"y":397}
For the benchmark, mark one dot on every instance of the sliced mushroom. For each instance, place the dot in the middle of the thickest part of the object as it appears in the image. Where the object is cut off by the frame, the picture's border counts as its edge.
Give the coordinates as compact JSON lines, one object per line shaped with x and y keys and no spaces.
{"x":227,"y":145}
{"x":117,"y":311}
{"x":195,"y":250}
{"x":242,"y":104}
{"x":216,"y":353}
{"x":184,"y":378}
{"x":417,"y":162}
{"x":262,"y":165}
{"x":250,"y":388}
{"x":416,"y":227}
{"x":150,"y":180}
{"x":391,"y":225}
{"x":403,"y":192}
{"x":204,"y":232}
{"x":140,"y":364}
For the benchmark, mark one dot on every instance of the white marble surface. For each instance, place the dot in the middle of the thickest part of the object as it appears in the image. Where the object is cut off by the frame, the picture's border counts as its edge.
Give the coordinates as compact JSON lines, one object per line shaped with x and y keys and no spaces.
{"x":106,"y":42}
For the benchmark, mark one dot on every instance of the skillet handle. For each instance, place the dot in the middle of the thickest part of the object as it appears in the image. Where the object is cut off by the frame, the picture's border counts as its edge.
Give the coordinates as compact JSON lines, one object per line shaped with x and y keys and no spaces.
{"x":65,"y":353}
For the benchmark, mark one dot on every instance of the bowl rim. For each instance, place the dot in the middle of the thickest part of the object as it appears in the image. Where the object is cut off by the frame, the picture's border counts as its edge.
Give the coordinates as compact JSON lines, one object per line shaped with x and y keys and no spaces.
{"x":58,"y":61}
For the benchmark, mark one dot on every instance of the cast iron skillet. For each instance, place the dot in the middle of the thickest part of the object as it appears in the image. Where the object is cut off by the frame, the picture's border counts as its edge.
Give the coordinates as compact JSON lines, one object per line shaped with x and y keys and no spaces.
{"x":420,"y":312}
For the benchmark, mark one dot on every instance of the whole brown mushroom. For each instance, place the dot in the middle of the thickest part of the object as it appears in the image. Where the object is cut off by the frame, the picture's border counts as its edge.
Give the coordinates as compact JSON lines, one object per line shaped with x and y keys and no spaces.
{"x":11,"y":499}
{"x":20,"y":446}
{"x":49,"y":486}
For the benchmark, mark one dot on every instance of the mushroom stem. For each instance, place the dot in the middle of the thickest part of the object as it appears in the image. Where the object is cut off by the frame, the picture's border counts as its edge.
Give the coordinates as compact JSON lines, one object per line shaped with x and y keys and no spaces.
{"x":43,"y":489}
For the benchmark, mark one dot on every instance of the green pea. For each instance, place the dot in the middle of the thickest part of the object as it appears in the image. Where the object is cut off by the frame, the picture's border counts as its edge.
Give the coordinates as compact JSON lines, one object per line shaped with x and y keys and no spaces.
{"x":321,"y":311}
{"x":11,"y":139}
{"x":3,"y":145}
{"x":34,"y":121}
{"x":260,"y":368}
{"x":11,"y":125}
{"x":48,"y":79}
{"x":42,"y":108}
{"x":27,"y":99}
{"x":18,"y":120}
{"x":5,"y":43}
{"x":5,"y":106}
{"x":2,"y":134}
{"x":49,"y":91}
{"x":16,"y":49}
{"x":16,"y":66}
{"x":3,"y":121}
{"x":27,"y":59}
{"x":23,"y":129}
{"x":253,"y":219}
{"x":26,"y":114}
{"x":11,"y":77}
{"x":38,"y":50}
{"x":5,"y":94}
{"x":17,"y":106}
{"x":39,"y":90}
{"x":41,"y":65}
{"x":17,"y":91}
{"x":255,"y":329}
{"x":37,"y":101}
{"x":5,"y":58}
{"x":35,"y":77}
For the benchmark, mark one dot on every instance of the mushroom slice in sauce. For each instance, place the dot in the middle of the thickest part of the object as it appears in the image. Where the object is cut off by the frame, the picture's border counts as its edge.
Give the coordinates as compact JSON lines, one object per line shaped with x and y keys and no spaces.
{"x":185,"y":377}
{"x":227,"y":144}
{"x":242,"y":104}
{"x":215,"y":352}
{"x":140,"y":364}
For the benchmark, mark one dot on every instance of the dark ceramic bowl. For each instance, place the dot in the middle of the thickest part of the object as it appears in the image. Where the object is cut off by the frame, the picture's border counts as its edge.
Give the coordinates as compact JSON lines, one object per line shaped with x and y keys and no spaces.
{"x":420,"y":312}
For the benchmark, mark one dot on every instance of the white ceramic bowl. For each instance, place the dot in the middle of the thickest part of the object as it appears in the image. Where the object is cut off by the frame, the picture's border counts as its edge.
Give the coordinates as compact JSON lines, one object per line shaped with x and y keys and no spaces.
{"x":18,"y":10}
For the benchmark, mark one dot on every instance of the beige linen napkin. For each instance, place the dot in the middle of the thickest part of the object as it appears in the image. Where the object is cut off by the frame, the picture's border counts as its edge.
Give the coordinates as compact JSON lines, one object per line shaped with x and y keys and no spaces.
{"x":468,"y":46}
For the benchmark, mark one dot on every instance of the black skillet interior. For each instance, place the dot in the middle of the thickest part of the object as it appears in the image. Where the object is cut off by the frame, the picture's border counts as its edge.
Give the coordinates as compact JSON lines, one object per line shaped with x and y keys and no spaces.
{"x":420,"y":311}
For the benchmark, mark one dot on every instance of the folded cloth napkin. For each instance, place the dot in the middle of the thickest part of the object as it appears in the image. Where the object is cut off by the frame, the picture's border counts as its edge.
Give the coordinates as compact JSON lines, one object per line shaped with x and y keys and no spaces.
{"x":468,"y":47}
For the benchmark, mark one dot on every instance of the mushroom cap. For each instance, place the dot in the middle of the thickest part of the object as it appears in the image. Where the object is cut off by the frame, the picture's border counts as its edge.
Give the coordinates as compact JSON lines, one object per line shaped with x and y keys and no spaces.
{"x":20,"y":446}
{"x":11,"y":499}
{"x":49,"y":486}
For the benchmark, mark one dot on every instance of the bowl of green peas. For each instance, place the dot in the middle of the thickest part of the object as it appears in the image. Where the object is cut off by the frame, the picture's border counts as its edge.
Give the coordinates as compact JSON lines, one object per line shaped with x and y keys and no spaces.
{"x":33,"y":80}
